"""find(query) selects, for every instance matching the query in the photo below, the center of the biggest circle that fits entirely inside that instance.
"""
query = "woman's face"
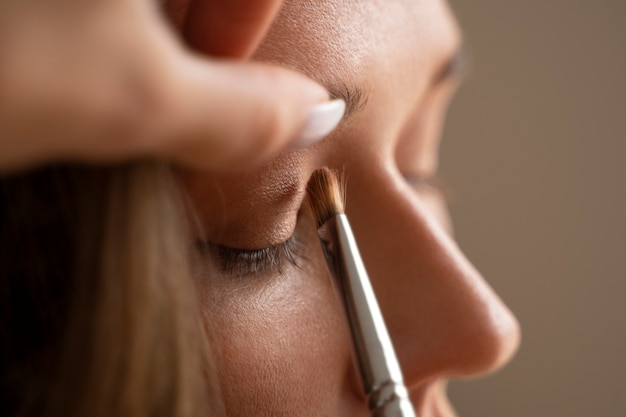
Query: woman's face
(281, 339)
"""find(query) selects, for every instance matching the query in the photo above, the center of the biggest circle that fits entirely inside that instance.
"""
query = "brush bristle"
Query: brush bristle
(325, 195)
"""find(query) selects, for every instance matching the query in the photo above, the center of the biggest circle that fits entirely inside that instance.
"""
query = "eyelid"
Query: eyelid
(429, 182)
(240, 263)
(456, 68)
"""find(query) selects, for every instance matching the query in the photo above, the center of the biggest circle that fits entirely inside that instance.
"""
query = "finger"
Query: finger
(232, 116)
(229, 28)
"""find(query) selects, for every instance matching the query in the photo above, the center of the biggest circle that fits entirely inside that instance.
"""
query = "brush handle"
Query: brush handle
(380, 371)
(390, 400)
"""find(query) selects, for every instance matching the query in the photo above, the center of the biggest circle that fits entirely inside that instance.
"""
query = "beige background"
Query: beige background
(536, 151)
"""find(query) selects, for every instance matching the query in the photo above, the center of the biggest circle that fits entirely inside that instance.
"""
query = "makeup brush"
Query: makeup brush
(378, 365)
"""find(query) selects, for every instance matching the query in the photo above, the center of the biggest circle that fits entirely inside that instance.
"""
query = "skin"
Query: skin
(282, 344)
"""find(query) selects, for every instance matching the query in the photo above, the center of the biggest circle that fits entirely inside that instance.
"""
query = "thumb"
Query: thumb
(230, 116)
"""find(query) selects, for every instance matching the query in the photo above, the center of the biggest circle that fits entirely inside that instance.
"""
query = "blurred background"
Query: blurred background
(535, 150)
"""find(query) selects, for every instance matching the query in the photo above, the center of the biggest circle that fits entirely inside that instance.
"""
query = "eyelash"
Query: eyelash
(240, 263)
(421, 182)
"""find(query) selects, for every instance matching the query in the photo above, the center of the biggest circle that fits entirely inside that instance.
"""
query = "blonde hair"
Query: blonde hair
(98, 311)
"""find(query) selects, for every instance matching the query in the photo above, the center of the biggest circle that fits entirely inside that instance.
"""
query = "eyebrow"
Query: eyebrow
(354, 96)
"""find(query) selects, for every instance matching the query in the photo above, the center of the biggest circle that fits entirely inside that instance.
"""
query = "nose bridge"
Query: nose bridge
(443, 318)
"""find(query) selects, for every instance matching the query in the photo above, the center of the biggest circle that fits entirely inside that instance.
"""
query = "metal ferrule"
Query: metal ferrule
(378, 365)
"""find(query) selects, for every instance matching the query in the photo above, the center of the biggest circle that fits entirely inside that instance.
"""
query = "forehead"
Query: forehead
(359, 41)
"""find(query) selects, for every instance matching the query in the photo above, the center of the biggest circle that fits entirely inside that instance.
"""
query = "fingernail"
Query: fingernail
(322, 119)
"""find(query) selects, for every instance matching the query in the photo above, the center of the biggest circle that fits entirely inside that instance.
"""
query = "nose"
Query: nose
(443, 318)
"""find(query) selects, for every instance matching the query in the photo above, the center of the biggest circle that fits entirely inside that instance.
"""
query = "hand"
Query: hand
(108, 80)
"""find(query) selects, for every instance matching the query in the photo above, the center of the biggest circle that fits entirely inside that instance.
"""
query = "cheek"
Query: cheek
(282, 348)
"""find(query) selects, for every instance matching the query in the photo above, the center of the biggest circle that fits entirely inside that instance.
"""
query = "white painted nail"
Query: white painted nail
(322, 119)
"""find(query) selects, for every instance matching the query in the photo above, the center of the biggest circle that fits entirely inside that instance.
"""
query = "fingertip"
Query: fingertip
(232, 115)
(322, 119)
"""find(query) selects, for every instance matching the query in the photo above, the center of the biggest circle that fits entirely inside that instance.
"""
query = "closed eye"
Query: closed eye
(239, 263)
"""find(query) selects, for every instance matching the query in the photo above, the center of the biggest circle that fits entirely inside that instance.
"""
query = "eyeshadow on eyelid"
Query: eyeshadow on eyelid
(260, 230)
(248, 211)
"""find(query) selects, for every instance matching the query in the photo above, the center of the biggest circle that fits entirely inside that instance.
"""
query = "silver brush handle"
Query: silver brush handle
(380, 371)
